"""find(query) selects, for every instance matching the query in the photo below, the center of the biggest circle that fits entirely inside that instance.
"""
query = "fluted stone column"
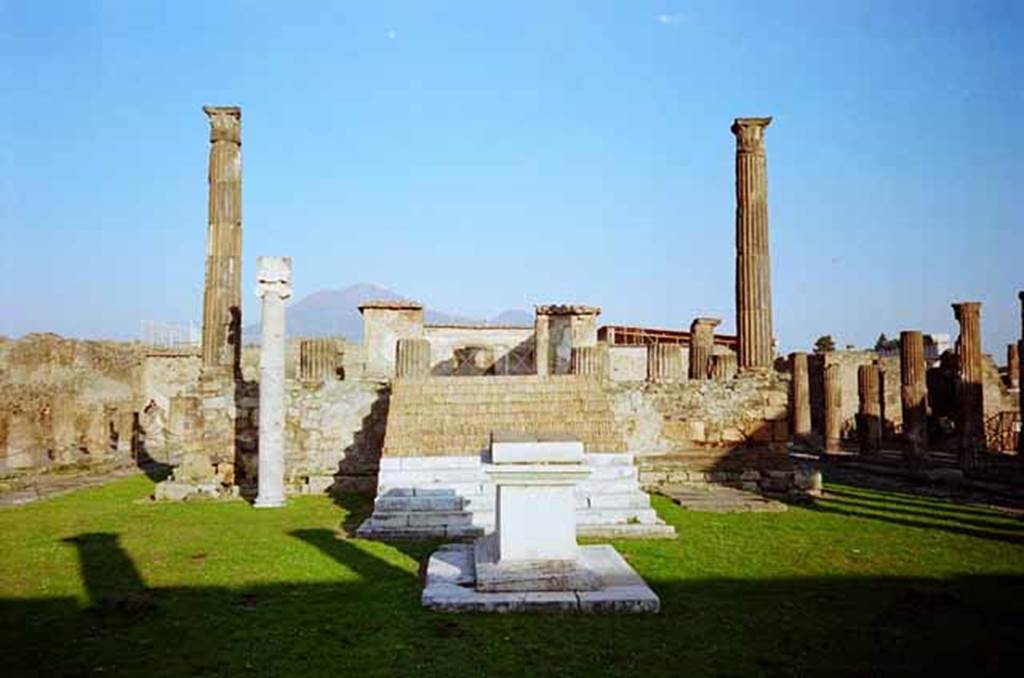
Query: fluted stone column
(753, 269)
(222, 294)
(833, 408)
(588, 361)
(702, 346)
(1013, 365)
(412, 358)
(800, 395)
(971, 417)
(274, 280)
(723, 366)
(318, 359)
(664, 362)
(869, 414)
(914, 397)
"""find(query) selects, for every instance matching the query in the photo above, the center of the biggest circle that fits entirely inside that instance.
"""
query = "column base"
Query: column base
(270, 502)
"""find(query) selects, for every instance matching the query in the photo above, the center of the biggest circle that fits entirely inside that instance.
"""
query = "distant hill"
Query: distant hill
(332, 313)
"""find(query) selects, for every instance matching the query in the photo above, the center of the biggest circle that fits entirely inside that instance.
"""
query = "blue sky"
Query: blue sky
(480, 157)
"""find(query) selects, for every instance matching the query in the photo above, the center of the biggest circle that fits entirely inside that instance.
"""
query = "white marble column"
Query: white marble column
(274, 285)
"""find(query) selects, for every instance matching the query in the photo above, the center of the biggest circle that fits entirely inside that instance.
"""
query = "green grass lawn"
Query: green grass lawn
(864, 582)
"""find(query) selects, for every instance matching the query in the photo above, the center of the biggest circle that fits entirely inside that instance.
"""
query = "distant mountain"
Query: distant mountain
(332, 313)
(513, 316)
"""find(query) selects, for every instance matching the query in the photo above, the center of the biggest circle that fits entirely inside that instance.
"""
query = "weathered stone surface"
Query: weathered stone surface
(559, 328)
(869, 418)
(222, 295)
(589, 361)
(914, 397)
(970, 394)
(318, 359)
(724, 366)
(384, 323)
(1013, 365)
(702, 345)
(412, 358)
(623, 591)
(664, 362)
(753, 270)
(833, 409)
(274, 285)
(800, 395)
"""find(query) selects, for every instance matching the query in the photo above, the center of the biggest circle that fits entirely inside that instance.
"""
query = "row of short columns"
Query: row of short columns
(913, 393)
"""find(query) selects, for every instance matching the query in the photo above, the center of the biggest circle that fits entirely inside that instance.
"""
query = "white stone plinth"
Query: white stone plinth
(535, 512)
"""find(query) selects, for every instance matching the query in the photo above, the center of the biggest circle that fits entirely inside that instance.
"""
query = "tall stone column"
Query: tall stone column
(971, 417)
(800, 396)
(702, 345)
(753, 269)
(222, 294)
(1013, 365)
(833, 408)
(914, 397)
(664, 362)
(274, 280)
(869, 414)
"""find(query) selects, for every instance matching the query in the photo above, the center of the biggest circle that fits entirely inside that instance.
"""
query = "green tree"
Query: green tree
(824, 344)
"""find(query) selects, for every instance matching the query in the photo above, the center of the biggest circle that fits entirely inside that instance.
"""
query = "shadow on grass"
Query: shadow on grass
(373, 624)
(931, 514)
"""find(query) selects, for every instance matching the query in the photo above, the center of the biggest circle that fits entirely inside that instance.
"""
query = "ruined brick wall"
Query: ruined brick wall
(66, 401)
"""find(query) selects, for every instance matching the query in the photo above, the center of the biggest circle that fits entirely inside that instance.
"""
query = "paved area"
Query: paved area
(711, 498)
(18, 491)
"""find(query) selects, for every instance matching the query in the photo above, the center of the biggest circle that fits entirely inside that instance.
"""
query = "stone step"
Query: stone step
(621, 500)
(611, 516)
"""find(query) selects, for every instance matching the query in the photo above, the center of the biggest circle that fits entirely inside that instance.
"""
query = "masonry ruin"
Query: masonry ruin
(409, 413)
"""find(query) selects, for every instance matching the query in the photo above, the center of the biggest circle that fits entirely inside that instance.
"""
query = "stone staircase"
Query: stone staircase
(432, 481)
(452, 416)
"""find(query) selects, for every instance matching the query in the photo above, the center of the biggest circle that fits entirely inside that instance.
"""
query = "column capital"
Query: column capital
(750, 134)
(964, 309)
(711, 323)
(274, 276)
(225, 123)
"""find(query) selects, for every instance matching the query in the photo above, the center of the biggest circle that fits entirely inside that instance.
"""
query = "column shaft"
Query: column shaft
(914, 397)
(222, 294)
(702, 346)
(800, 395)
(753, 268)
(274, 278)
(971, 419)
(869, 414)
(412, 358)
(833, 408)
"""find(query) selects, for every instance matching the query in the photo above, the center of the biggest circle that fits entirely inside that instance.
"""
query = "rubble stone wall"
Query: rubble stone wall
(66, 401)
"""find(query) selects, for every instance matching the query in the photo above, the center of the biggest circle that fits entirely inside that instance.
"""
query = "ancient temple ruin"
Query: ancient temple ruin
(410, 412)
